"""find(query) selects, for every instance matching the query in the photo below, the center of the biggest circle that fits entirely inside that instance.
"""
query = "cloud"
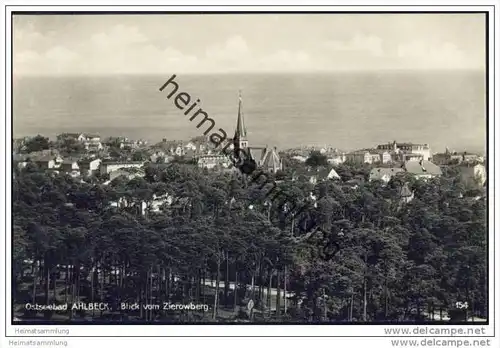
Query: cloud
(36, 52)
(60, 54)
(168, 60)
(423, 54)
(127, 49)
(285, 59)
(172, 55)
(358, 44)
(118, 35)
(27, 36)
(235, 54)
(58, 60)
(416, 54)
(121, 49)
(146, 59)
(234, 48)
(24, 39)
(27, 56)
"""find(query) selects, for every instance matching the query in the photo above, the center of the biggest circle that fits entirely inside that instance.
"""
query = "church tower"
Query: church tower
(246, 164)
(240, 135)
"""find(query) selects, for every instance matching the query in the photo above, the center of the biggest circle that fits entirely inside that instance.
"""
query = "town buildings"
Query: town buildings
(299, 158)
(453, 157)
(384, 174)
(128, 173)
(19, 145)
(70, 166)
(385, 157)
(125, 143)
(213, 161)
(155, 205)
(390, 153)
(268, 159)
(406, 194)
(44, 162)
(359, 157)
(399, 150)
(391, 159)
(109, 166)
(159, 156)
(473, 175)
(337, 159)
(411, 157)
(316, 175)
(20, 160)
(91, 142)
(422, 169)
(89, 166)
(367, 156)
(271, 161)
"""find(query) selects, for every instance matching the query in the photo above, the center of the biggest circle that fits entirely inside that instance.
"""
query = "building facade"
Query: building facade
(44, 162)
(361, 156)
(412, 157)
(384, 174)
(385, 157)
(89, 166)
(473, 175)
(213, 161)
(407, 148)
(71, 167)
(107, 167)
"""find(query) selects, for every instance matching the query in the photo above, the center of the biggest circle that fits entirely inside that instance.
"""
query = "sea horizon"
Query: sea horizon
(392, 104)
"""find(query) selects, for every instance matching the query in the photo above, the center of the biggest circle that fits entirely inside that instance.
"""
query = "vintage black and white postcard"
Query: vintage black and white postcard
(323, 168)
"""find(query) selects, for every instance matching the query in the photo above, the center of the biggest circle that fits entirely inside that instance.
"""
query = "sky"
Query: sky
(225, 43)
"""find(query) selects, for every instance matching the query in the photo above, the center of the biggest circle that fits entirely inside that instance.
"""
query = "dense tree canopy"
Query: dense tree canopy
(70, 146)
(397, 261)
(140, 155)
(36, 144)
(316, 159)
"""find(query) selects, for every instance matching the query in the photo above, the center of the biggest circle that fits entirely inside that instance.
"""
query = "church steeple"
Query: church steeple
(240, 134)
(246, 164)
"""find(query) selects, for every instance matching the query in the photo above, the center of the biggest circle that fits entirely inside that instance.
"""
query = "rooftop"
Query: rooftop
(405, 191)
(271, 159)
(422, 168)
(328, 173)
(379, 173)
(90, 135)
(121, 162)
